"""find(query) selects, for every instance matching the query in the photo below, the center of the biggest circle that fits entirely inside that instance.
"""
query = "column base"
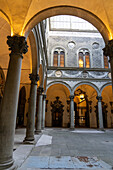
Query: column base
(101, 129)
(37, 131)
(72, 128)
(29, 141)
(8, 166)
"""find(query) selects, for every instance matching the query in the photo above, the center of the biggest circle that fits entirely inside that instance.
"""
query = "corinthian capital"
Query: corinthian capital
(40, 90)
(18, 45)
(34, 78)
(71, 97)
(108, 50)
(99, 98)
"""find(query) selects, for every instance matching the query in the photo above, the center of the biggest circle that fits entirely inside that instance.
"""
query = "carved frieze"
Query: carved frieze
(78, 74)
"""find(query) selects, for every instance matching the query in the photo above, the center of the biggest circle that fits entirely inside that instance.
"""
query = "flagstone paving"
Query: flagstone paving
(66, 149)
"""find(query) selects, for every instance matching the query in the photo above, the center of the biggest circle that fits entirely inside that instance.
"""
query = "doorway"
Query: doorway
(81, 108)
(57, 112)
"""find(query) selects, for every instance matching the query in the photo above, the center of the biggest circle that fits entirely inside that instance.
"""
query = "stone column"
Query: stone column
(39, 111)
(99, 98)
(108, 51)
(32, 109)
(71, 112)
(8, 113)
(43, 111)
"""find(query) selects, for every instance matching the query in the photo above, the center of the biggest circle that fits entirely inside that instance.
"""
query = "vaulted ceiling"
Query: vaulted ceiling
(20, 13)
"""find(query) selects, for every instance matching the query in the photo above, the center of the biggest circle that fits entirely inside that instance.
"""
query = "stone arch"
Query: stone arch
(57, 93)
(4, 16)
(87, 83)
(105, 85)
(107, 104)
(85, 100)
(58, 82)
(40, 76)
(58, 46)
(35, 61)
(67, 10)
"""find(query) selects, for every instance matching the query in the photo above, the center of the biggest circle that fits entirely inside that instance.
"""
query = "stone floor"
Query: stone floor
(58, 148)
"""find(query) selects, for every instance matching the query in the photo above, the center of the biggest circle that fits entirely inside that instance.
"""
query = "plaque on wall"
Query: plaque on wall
(58, 73)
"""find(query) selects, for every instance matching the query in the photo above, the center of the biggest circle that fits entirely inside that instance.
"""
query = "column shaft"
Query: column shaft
(43, 111)
(10, 101)
(32, 109)
(99, 98)
(39, 111)
(71, 112)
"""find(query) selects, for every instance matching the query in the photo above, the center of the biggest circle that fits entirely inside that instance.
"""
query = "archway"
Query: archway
(107, 106)
(57, 95)
(84, 102)
(21, 107)
(67, 10)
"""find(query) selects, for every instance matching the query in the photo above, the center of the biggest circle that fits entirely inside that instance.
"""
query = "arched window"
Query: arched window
(84, 58)
(59, 58)
(106, 63)
(55, 59)
(62, 55)
(81, 62)
(87, 60)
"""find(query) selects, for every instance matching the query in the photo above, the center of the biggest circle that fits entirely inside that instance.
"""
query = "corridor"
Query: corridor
(58, 148)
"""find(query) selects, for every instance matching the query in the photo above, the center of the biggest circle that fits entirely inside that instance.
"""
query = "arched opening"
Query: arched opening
(84, 102)
(21, 107)
(67, 10)
(107, 106)
(57, 112)
(59, 57)
(84, 58)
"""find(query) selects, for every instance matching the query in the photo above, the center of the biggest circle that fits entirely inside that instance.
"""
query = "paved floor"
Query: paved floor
(58, 148)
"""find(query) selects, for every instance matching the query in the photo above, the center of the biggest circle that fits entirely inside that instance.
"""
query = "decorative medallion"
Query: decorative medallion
(95, 45)
(71, 44)
(58, 73)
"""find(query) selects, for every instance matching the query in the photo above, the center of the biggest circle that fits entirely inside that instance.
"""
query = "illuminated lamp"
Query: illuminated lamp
(82, 96)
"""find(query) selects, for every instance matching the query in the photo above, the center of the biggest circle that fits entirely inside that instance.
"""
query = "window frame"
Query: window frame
(59, 50)
(84, 51)
(107, 57)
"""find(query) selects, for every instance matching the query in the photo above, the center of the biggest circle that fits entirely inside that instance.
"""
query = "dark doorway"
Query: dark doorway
(21, 107)
(57, 112)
